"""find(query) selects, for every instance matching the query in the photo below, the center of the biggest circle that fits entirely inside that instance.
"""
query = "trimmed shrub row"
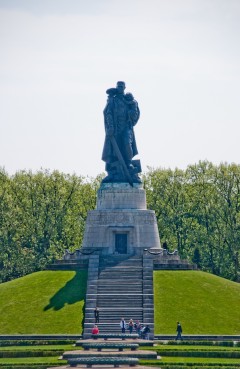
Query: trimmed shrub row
(34, 353)
(200, 366)
(216, 354)
(32, 366)
(189, 365)
(23, 366)
(203, 343)
(4, 343)
(28, 366)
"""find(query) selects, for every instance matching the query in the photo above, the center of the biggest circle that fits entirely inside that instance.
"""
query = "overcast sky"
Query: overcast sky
(179, 58)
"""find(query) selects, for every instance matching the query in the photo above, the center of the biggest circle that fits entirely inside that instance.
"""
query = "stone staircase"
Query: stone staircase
(116, 285)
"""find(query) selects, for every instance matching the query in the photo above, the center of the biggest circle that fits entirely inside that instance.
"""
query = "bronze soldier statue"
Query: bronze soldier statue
(120, 116)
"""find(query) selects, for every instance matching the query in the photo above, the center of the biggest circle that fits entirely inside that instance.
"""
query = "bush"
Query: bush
(203, 343)
(29, 353)
(5, 343)
(200, 353)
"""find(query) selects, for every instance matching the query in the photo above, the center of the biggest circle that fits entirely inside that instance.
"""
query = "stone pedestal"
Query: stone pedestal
(121, 224)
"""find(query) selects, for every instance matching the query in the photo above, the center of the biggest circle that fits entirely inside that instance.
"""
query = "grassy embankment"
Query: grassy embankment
(47, 302)
(52, 302)
(202, 302)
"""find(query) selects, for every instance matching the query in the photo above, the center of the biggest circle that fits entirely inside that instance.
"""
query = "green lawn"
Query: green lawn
(202, 302)
(192, 360)
(32, 360)
(52, 302)
(188, 348)
(42, 347)
(47, 302)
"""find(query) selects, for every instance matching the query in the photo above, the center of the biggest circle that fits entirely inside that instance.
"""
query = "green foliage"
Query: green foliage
(202, 302)
(47, 302)
(29, 343)
(32, 360)
(198, 213)
(197, 209)
(206, 353)
(204, 343)
(195, 362)
(41, 215)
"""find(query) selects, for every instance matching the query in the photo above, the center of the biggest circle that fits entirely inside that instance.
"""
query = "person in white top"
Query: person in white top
(123, 325)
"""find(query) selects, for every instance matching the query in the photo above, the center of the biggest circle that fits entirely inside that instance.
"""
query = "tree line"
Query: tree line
(41, 215)
(197, 209)
(198, 213)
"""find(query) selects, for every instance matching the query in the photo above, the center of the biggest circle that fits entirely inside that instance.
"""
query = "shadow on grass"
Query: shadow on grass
(73, 291)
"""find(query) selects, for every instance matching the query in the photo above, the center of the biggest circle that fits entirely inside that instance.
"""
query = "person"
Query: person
(95, 331)
(123, 325)
(96, 314)
(121, 114)
(179, 331)
(137, 327)
(130, 326)
(145, 332)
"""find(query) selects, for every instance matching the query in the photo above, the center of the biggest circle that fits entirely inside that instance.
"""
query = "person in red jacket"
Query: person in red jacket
(95, 331)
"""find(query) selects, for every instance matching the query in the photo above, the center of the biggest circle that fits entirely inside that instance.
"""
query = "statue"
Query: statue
(120, 116)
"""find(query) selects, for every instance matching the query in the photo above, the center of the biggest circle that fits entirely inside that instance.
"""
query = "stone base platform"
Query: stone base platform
(104, 367)
(139, 341)
(121, 224)
(141, 354)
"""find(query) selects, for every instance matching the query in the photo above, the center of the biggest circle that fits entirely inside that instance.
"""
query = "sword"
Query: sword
(121, 160)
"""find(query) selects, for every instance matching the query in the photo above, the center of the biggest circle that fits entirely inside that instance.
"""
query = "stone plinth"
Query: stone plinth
(121, 196)
(121, 224)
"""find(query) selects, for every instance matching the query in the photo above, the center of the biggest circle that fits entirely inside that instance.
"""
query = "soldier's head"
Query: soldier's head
(120, 87)
(129, 97)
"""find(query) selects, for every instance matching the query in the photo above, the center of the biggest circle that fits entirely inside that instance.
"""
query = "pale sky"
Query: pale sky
(179, 58)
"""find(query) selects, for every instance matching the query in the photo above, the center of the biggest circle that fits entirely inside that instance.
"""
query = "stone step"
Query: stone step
(117, 310)
(116, 317)
(118, 285)
(112, 325)
(120, 282)
(114, 305)
(120, 270)
(117, 277)
(114, 320)
(118, 297)
(115, 292)
(113, 261)
(101, 302)
(127, 291)
(117, 259)
(122, 267)
(105, 303)
(121, 301)
(126, 353)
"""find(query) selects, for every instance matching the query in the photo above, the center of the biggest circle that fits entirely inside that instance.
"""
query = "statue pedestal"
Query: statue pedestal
(121, 224)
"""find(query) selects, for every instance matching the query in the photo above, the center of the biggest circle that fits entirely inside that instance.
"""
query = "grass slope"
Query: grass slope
(202, 302)
(52, 302)
(47, 302)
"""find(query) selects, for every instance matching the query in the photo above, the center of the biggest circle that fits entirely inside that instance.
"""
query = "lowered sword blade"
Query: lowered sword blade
(121, 160)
